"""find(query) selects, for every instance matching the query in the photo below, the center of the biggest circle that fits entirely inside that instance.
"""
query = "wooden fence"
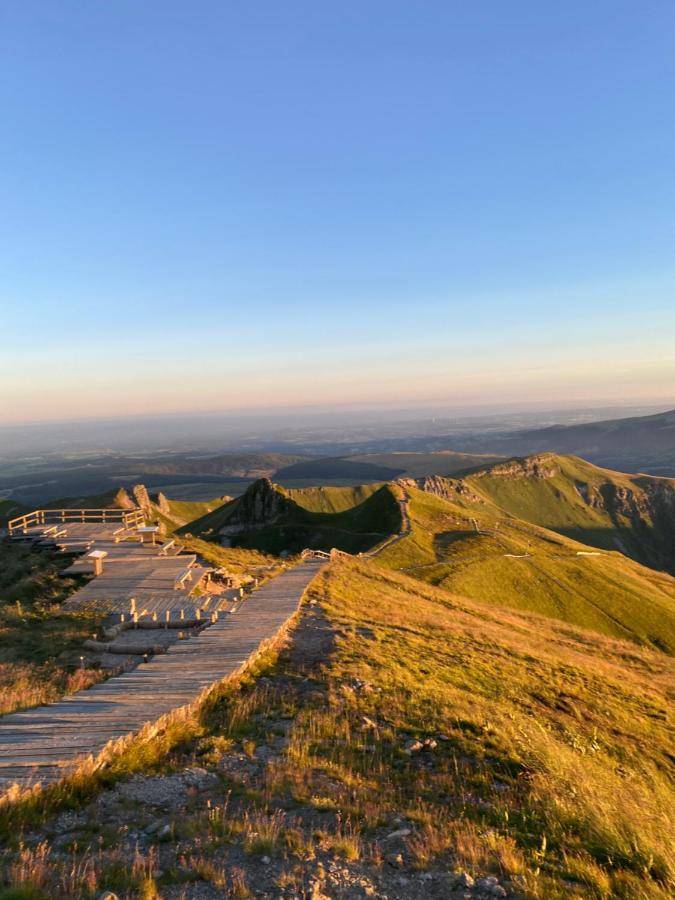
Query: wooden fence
(127, 518)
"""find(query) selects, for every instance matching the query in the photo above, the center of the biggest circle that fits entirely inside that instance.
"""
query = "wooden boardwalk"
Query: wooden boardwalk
(160, 578)
(45, 743)
(131, 569)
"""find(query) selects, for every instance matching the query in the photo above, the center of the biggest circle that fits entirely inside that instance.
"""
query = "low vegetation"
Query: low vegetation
(403, 732)
(634, 514)
(477, 551)
(40, 644)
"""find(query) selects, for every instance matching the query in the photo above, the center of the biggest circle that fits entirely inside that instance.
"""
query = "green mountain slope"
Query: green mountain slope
(631, 513)
(521, 533)
(556, 751)
(333, 499)
(269, 518)
(471, 548)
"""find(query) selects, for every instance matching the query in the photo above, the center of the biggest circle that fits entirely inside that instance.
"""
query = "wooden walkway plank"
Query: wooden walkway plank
(44, 743)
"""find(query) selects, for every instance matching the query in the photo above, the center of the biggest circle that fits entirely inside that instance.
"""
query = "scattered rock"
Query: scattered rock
(490, 886)
(360, 686)
(399, 833)
(154, 826)
(413, 746)
(464, 880)
(395, 860)
(65, 839)
(167, 790)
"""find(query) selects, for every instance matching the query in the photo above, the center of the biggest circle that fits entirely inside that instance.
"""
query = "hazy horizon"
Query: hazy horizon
(261, 431)
(375, 205)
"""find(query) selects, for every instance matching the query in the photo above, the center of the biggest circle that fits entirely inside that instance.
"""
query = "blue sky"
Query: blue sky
(219, 205)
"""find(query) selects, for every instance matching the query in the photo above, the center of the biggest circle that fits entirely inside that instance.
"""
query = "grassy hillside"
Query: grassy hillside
(115, 498)
(513, 563)
(273, 520)
(332, 499)
(182, 512)
(631, 513)
(353, 530)
(562, 735)
(40, 644)
(403, 736)
(209, 524)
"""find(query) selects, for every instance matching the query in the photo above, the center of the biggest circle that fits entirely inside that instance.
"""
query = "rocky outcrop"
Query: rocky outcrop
(141, 496)
(163, 504)
(262, 504)
(122, 500)
(643, 514)
(543, 465)
(445, 488)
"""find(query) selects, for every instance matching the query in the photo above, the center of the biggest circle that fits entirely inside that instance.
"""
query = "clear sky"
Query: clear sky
(212, 205)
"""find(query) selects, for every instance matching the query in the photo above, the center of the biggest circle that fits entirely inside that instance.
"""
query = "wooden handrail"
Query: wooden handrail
(127, 517)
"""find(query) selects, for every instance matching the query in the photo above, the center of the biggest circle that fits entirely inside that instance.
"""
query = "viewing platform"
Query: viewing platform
(132, 568)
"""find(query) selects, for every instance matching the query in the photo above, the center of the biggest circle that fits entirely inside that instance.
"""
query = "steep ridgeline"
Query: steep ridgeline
(268, 517)
(464, 543)
(631, 513)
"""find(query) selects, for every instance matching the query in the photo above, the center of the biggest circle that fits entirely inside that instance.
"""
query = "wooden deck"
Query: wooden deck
(131, 569)
(45, 743)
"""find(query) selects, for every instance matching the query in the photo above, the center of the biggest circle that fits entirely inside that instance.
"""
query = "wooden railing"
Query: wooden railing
(322, 554)
(128, 518)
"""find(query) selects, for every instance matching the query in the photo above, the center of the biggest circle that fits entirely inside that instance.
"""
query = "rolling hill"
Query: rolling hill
(605, 509)
(521, 533)
(473, 549)
(269, 518)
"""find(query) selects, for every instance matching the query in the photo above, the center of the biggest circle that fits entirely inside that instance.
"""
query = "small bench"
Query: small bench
(166, 546)
(74, 546)
(185, 575)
